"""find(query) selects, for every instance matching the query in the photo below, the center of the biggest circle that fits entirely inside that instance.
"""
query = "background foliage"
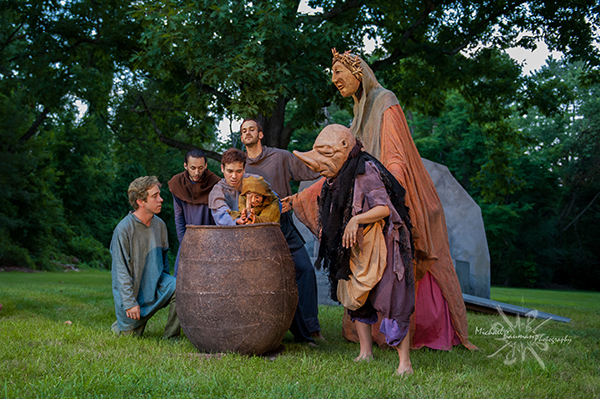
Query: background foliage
(539, 211)
(157, 77)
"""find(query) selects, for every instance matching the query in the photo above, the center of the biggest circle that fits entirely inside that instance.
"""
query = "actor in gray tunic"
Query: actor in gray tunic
(279, 167)
(141, 281)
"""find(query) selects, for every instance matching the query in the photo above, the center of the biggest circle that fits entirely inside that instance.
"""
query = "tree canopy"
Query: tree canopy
(251, 59)
(157, 77)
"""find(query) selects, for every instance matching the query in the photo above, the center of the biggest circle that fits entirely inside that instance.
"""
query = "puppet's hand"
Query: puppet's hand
(286, 204)
(246, 214)
(350, 233)
(251, 217)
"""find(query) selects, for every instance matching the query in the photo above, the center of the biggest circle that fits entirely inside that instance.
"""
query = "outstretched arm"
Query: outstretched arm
(221, 217)
(305, 206)
(299, 171)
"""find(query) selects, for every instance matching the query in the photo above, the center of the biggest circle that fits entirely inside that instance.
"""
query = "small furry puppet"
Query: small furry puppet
(257, 202)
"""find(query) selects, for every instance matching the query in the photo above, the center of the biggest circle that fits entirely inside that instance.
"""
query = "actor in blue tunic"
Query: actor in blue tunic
(141, 281)
(190, 190)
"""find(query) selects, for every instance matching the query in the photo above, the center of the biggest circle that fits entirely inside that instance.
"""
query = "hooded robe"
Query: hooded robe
(279, 167)
(224, 198)
(381, 265)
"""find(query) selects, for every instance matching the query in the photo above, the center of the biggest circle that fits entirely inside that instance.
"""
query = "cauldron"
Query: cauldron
(236, 288)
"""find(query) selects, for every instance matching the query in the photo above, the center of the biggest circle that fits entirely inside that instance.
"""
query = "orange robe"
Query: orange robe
(432, 251)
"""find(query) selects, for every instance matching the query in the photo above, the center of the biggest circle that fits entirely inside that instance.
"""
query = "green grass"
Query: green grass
(41, 356)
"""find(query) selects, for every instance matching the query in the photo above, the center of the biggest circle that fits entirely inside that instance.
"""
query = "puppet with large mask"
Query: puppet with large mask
(364, 232)
(440, 318)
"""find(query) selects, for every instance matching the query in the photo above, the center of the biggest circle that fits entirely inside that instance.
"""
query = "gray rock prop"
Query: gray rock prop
(466, 233)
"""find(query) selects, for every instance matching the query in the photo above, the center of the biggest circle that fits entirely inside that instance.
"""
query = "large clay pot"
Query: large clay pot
(236, 288)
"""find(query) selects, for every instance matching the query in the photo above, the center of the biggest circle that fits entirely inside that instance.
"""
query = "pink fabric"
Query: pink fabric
(433, 325)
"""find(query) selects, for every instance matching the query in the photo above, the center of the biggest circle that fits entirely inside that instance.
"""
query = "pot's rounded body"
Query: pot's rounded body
(236, 288)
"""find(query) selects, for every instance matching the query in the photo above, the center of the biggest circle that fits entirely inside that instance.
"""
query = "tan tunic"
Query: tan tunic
(367, 264)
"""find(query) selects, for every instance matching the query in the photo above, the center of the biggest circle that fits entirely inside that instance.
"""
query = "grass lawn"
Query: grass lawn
(42, 356)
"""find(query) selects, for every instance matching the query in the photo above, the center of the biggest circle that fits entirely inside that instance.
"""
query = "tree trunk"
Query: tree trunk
(276, 132)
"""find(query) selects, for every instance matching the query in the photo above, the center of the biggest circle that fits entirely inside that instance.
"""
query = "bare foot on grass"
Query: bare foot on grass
(404, 370)
(364, 357)
(317, 334)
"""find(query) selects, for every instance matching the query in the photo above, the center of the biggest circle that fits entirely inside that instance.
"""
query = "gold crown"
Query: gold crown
(352, 62)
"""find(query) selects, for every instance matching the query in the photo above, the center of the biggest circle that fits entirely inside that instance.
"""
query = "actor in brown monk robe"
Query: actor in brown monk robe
(190, 190)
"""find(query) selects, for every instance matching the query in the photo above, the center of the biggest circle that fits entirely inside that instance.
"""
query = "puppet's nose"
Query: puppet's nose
(310, 158)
